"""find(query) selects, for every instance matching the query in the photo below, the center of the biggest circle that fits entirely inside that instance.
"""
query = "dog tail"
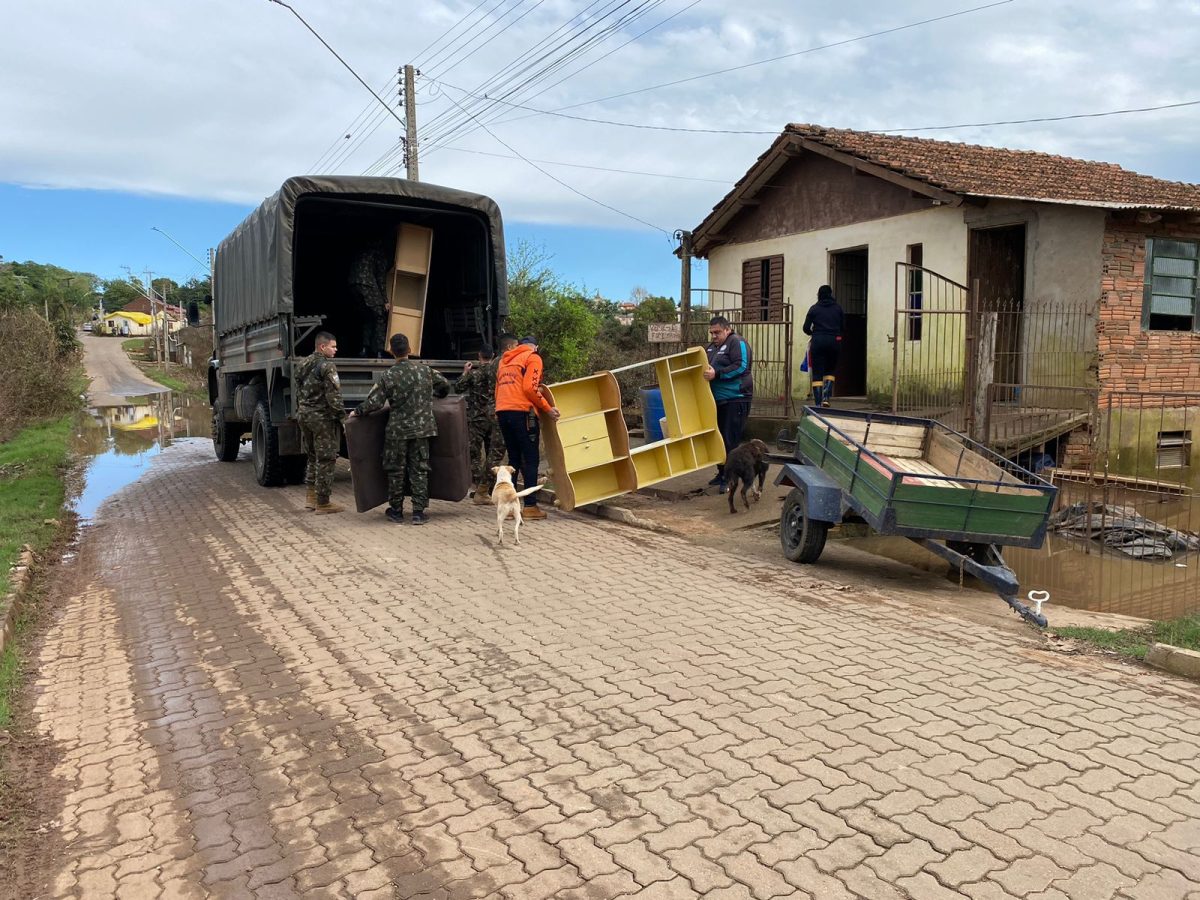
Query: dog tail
(528, 491)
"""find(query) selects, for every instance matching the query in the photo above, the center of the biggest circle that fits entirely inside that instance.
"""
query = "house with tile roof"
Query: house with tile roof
(966, 272)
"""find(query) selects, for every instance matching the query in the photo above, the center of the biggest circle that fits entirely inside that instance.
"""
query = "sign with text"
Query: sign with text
(663, 332)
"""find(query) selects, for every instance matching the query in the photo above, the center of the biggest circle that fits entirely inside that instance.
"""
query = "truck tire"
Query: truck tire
(802, 538)
(264, 440)
(227, 436)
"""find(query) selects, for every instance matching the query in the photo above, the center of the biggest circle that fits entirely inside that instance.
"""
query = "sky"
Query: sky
(181, 116)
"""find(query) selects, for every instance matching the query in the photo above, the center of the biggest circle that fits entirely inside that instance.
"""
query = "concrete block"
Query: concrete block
(1175, 660)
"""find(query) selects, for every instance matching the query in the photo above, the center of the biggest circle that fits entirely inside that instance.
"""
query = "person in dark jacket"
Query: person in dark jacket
(824, 325)
(730, 377)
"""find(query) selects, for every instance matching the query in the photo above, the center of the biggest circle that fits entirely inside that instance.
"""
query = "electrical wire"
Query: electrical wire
(420, 53)
(558, 62)
(551, 162)
(566, 59)
(763, 62)
(556, 179)
(680, 128)
(349, 130)
(507, 72)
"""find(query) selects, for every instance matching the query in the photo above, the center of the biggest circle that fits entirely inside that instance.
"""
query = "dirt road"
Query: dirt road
(249, 700)
(112, 375)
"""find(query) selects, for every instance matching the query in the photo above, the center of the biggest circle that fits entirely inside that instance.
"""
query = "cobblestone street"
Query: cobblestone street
(254, 701)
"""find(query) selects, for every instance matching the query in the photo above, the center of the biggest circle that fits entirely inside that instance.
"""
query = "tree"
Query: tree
(117, 292)
(655, 309)
(559, 314)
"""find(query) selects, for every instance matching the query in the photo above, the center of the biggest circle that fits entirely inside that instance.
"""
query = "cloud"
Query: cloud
(223, 100)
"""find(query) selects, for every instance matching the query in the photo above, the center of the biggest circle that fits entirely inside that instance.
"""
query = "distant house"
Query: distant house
(134, 324)
(625, 312)
(174, 316)
(968, 272)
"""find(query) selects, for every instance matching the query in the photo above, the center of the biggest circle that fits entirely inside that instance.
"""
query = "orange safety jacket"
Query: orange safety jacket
(518, 379)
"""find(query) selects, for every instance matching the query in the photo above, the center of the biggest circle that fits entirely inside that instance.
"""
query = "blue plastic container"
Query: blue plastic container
(652, 413)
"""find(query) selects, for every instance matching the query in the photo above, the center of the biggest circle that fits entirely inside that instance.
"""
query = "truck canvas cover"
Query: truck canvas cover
(255, 267)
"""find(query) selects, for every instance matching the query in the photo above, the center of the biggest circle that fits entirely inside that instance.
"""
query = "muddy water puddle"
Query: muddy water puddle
(1084, 574)
(120, 441)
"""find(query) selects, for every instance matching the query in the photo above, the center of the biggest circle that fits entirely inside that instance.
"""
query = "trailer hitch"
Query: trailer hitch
(984, 562)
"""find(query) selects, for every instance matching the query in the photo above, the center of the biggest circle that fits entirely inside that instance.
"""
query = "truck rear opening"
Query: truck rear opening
(330, 232)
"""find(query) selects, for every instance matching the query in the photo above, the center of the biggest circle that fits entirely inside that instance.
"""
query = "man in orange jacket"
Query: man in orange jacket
(518, 398)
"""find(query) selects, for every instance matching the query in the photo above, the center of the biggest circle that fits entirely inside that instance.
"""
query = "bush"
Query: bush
(40, 371)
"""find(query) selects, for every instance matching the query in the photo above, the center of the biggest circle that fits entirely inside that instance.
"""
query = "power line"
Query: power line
(436, 145)
(511, 71)
(558, 180)
(565, 59)
(763, 62)
(346, 133)
(1097, 115)
(349, 68)
(680, 128)
(551, 162)
(437, 40)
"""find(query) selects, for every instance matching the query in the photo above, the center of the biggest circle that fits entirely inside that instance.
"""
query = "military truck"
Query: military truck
(284, 274)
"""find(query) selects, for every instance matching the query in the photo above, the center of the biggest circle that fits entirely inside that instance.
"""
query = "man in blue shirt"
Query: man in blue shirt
(729, 376)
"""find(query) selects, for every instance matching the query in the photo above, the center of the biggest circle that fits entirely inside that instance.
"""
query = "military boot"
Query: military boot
(482, 496)
(325, 506)
(310, 499)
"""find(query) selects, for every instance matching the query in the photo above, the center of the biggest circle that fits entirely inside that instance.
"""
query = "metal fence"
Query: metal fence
(769, 335)
(1130, 541)
(955, 357)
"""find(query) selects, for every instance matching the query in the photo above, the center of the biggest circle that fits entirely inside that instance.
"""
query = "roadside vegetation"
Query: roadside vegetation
(183, 379)
(1133, 643)
(579, 334)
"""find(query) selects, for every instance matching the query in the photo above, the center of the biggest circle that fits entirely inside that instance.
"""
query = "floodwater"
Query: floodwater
(1084, 574)
(122, 441)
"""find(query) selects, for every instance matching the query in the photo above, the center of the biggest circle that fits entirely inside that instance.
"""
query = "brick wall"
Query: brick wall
(1132, 359)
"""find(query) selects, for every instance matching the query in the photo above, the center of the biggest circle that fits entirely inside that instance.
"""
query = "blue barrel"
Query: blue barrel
(652, 412)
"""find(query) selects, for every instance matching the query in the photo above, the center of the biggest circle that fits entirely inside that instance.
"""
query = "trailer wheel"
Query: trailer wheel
(802, 538)
(264, 440)
(227, 436)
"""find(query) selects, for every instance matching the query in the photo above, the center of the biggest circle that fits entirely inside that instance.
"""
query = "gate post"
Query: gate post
(972, 369)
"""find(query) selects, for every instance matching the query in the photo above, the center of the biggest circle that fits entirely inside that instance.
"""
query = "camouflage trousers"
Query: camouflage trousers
(407, 466)
(321, 441)
(487, 449)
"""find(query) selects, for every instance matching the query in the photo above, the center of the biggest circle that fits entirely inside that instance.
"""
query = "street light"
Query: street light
(179, 245)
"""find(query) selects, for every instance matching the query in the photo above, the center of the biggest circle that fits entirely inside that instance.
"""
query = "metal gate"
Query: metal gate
(768, 330)
(930, 357)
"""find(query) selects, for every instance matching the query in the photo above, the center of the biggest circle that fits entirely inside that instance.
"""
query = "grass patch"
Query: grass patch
(135, 345)
(167, 380)
(1133, 643)
(32, 491)
(31, 487)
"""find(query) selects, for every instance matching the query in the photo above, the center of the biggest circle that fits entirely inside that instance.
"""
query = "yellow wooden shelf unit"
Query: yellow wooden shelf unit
(690, 439)
(588, 447)
(409, 282)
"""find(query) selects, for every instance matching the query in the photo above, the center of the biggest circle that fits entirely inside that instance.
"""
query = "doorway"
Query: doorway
(848, 278)
(997, 258)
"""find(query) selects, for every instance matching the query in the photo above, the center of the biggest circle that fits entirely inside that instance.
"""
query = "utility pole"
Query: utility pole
(410, 123)
(685, 281)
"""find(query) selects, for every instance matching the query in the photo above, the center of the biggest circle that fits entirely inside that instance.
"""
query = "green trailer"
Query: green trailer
(918, 479)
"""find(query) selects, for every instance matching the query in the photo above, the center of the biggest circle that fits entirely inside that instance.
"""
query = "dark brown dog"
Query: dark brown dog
(744, 463)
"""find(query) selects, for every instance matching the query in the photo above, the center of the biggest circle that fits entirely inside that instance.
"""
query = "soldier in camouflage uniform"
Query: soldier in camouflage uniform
(368, 282)
(478, 382)
(408, 387)
(321, 411)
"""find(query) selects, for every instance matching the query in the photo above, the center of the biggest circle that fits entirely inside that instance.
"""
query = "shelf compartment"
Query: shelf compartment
(651, 464)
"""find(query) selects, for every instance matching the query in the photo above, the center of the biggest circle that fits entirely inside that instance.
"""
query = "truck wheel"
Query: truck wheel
(227, 436)
(264, 440)
(802, 538)
(294, 469)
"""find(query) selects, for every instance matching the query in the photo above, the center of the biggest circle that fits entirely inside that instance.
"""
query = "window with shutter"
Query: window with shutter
(762, 289)
(1172, 276)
